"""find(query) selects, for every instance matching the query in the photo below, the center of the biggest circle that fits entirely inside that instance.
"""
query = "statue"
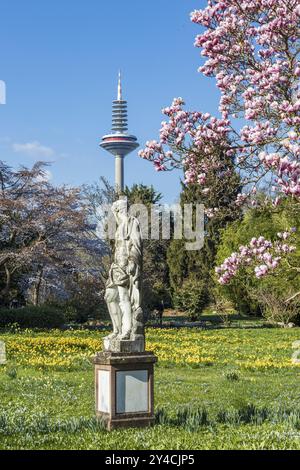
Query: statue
(123, 288)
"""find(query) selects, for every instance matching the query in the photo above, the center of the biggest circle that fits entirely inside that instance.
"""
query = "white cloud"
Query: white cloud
(33, 149)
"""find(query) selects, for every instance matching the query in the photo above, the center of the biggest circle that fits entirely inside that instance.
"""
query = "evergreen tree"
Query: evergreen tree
(224, 186)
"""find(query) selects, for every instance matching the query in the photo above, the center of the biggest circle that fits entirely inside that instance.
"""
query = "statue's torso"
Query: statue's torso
(121, 246)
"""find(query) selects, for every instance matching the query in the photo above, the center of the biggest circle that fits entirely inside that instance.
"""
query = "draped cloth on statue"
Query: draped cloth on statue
(125, 271)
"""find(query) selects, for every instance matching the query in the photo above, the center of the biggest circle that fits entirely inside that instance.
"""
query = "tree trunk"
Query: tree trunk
(5, 291)
(37, 289)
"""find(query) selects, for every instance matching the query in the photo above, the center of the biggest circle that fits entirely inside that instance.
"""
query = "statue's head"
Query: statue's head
(119, 208)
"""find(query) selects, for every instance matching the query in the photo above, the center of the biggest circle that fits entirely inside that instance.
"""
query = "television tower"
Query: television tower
(119, 143)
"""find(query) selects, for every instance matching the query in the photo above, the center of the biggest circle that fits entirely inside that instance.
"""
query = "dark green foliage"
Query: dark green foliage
(32, 317)
(142, 194)
(232, 376)
(43, 424)
(198, 264)
(83, 311)
(247, 414)
(178, 263)
(188, 416)
(192, 417)
(12, 373)
(86, 302)
(192, 297)
(156, 297)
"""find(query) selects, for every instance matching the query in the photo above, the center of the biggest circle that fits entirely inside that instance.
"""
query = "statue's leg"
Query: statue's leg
(112, 300)
(125, 306)
(138, 330)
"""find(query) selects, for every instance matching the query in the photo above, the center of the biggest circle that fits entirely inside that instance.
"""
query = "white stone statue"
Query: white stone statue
(123, 288)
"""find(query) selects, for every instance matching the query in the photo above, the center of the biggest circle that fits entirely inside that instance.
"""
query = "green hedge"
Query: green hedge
(32, 317)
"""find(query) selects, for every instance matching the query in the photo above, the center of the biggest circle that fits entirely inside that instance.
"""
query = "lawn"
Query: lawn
(220, 388)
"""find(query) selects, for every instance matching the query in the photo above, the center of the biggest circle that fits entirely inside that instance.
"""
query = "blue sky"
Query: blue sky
(60, 59)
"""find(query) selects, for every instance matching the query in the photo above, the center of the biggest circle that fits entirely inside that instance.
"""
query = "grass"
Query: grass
(214, 389)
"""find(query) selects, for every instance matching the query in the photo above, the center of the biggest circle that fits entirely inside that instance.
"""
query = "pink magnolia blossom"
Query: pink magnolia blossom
(251, 48)
(261, 254)
(187, 131)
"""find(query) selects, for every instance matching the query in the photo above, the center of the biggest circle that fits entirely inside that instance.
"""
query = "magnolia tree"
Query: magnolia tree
(252, 50)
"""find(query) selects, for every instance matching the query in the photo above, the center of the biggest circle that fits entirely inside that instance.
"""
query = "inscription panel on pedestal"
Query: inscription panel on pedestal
(132, 391)
(104, 391)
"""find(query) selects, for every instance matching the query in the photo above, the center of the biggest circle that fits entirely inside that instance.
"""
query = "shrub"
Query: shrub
(156, 298)
(32, 317)
(192, 297)
(223, 308)
(278, 309)
(78, 311)
(232, 375)
(12, 373)
(192, 417)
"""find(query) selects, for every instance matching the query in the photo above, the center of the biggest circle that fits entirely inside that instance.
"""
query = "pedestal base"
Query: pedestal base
(125, 388)
(124, 345)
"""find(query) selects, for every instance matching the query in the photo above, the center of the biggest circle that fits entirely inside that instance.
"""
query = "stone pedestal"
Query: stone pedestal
(124, 345)
(125, 388)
